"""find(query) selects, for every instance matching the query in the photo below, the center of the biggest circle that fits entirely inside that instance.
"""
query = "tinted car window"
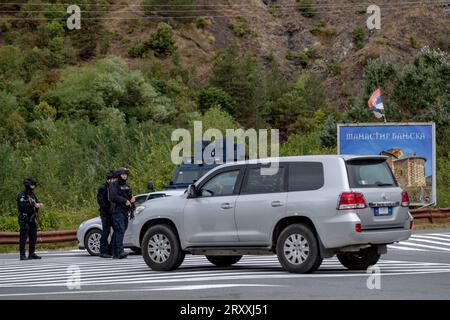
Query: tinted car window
(305, 176)
(220, 185)
(369, 173)
(258, 183)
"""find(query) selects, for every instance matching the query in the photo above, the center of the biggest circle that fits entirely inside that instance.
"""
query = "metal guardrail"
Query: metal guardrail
(71, 235)
(43, 237)
(431, 214)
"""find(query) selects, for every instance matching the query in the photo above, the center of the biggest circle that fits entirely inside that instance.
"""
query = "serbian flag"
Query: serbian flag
(376, 104)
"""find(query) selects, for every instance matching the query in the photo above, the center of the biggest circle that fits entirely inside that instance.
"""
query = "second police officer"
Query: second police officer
(103, 200)
(122, 202)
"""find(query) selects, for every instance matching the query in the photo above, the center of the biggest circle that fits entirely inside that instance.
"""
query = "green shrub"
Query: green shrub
(212, 96)
(306, 7)
(298, 57)
(137, 51)
(105, 43)
(413, 42)
(272, 8)
(382, 41)
(10, 61)
(5, 26)
(202, 22)
(312, 53)
(239, 27)
(107, 84)
(319, 30)
(359, 35)
(335, 68)
(181, 10)
(162, 41)
(43, 111)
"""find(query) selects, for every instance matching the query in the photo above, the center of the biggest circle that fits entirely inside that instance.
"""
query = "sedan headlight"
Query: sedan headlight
(138, 210)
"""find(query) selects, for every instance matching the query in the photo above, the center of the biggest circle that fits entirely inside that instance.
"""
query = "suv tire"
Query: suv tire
(298, 250)
(92, 242)
(161, 248)
(223, 261)
(360, 260)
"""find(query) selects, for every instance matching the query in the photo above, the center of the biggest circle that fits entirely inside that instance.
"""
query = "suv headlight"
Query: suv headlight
(138, 210)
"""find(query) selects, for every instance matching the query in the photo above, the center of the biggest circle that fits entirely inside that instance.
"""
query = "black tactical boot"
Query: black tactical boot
(105, 255)
(23, 257)
(123, 255)
(34, 256)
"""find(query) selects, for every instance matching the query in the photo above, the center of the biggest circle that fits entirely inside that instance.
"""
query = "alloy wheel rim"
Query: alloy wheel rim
(159, 248)
(296, 249)
(94, 242)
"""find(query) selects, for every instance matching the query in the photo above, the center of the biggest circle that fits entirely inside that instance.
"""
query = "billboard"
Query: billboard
(410, 148)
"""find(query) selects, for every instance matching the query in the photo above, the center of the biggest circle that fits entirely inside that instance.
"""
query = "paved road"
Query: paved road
(415, 269)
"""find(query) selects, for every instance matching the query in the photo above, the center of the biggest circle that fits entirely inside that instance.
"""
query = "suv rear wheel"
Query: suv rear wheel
(360, 260)
(161, 248)
(298, 250)
(223, 261)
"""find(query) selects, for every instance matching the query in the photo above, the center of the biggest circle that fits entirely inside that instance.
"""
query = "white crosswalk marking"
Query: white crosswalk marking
(439, 242)
(196, 273)
(52, 271)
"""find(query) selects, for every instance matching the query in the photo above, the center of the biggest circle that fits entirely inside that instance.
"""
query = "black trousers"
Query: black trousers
(107, 224)
(28, 230)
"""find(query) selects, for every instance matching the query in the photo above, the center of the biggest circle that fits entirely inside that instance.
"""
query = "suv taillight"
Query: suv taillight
(405, 199)
(351, 200)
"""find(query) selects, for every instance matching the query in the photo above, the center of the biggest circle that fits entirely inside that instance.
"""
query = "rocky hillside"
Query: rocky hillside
(332, 40)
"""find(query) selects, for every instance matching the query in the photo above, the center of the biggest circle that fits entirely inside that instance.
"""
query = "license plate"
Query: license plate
(382, 211)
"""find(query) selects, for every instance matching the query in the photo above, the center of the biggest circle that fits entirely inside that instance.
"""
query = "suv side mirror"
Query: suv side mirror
(150, 186)
(192, 191)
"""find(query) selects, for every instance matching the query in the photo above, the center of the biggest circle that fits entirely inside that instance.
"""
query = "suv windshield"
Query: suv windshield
(188, 176)
(369, 173)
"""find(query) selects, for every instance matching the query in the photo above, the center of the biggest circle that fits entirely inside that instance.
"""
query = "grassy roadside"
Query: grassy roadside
(424, 224)
(51, 219)
(14, 248)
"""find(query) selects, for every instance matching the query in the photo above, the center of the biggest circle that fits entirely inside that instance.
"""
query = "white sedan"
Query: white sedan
(89, 232)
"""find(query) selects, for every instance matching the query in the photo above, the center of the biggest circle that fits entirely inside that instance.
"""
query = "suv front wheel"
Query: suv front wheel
(161, 248)
(298, 250)
(360, 260)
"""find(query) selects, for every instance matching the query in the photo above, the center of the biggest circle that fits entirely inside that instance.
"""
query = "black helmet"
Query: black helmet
(28, 182)
(110, 175)
(122, 170)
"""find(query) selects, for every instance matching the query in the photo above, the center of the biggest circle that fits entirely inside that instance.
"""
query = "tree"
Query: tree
(424, 84)
(379, 73)
(161, 41)
(242, 77)
(82, 92)
(215, 97)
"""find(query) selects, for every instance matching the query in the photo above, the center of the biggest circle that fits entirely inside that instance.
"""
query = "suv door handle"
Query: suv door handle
(276, 203)
(226, 205)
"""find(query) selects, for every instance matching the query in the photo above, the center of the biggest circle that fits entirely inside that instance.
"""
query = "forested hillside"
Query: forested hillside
(75, 103)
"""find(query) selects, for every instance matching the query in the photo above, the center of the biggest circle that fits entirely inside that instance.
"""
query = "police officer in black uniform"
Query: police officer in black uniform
(103, 200)
(28, 205)
(122, 203)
